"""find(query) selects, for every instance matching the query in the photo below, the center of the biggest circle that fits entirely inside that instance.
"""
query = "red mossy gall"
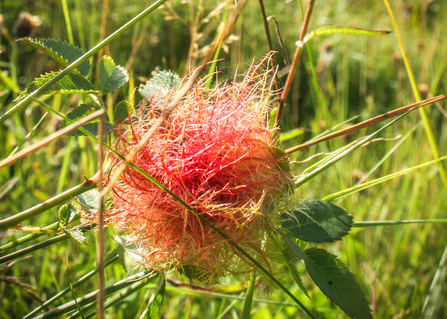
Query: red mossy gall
(217, 153)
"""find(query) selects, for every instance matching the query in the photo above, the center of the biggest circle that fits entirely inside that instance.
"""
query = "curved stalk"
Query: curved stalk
(376, 223)
(377, 181)
(52, 202)
(417, 96)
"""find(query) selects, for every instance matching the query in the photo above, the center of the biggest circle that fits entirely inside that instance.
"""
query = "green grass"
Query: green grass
(362, 76)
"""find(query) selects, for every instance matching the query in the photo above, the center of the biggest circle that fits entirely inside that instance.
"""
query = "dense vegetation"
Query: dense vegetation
(357, 76)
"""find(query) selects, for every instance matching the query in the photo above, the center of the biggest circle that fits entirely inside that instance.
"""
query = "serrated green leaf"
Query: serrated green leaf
(160, 85)
(121, 112)
(317, 222)
(82, 111)
(89, 200)
(61, 51)
(156, 300)
(66, 214)
(72, 83)
(77, 235)
(129, 259)
(111, 76)
(343, 30)
(337, 283)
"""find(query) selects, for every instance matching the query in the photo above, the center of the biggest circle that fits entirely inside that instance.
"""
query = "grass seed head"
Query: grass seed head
(217, 153)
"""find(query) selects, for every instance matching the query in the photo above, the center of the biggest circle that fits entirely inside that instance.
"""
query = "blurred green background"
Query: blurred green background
(357, 76)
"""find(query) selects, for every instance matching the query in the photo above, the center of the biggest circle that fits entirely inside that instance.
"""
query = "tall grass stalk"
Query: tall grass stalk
(417, 95)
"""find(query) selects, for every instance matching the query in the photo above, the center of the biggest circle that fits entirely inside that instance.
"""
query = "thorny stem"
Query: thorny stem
(294, 65)
(49, 139)
(29, 237)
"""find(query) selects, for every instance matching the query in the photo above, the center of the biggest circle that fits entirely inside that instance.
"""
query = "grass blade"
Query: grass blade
(358, 188)
(417, 96)
(81, 60)
(111, 258)
(308, 176)
(378, 223)
(249, 297)
(343, 30)
(132, 281)
(435, 298)
(156, 300)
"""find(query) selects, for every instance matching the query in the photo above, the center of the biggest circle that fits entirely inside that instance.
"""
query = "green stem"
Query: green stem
(34, 235)
(434, 302)
(79, 23)
(240, 297)
(145, 276)
(377, 181)
(112, 257)
(52, 202)
(388, 154)
(27, 238)
(417, 96)
(33, 248)
(67, 22)
(314, 75)
(79, 61)
(65, 164)
(41, 245)
(212, 68)
(334, 159)
(375, 223)
(122, 295)
(249, 297)
(28, 135)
